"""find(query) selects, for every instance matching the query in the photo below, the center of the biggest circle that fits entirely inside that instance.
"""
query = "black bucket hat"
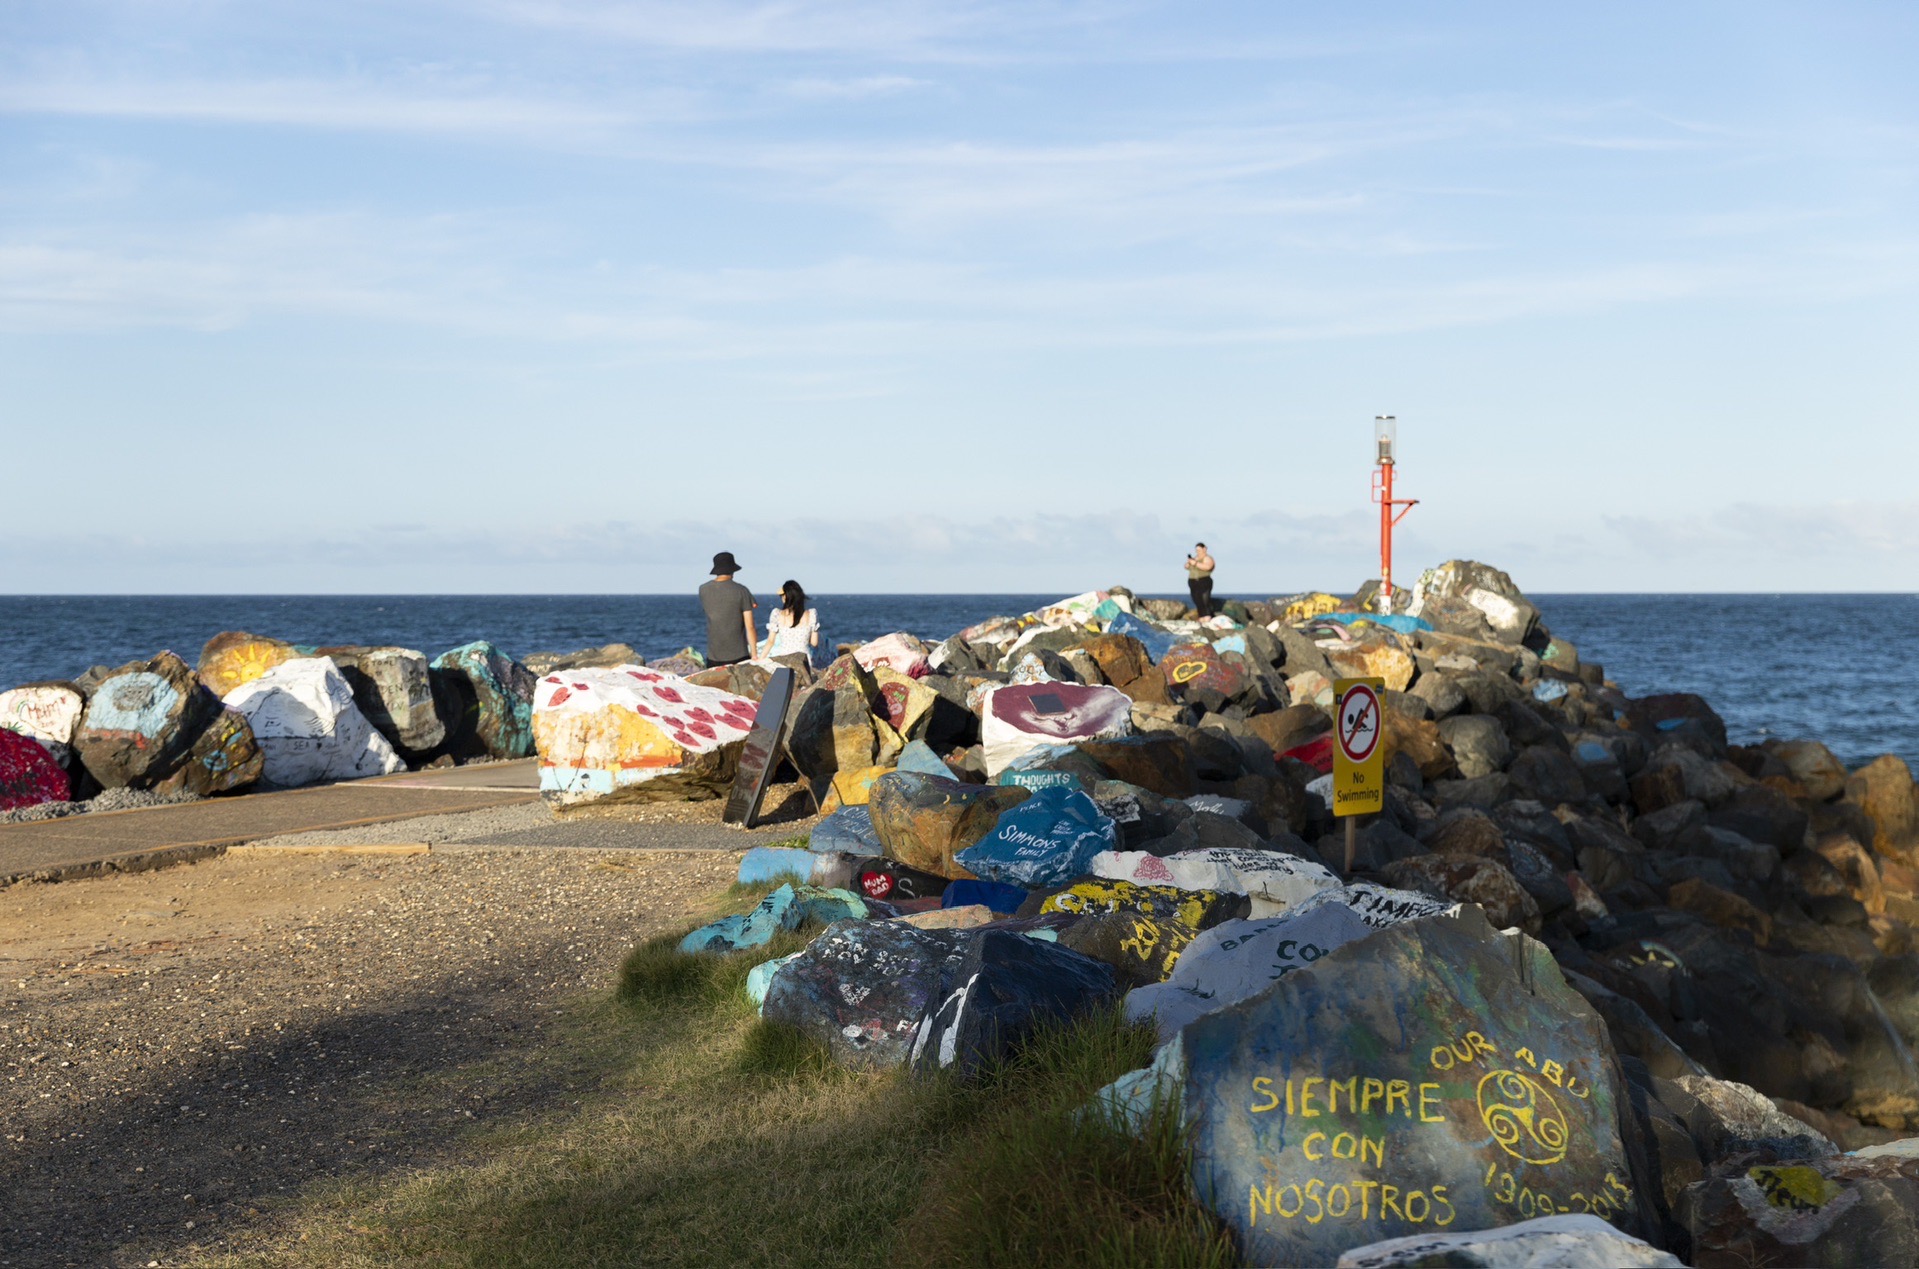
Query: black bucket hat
(725, 563)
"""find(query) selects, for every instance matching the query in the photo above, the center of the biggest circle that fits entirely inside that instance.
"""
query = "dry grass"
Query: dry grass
(715, 1138)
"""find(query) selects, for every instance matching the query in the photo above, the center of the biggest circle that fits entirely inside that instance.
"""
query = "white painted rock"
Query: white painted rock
(602, 731)
(898, 651)
(1237, 959)
(48, 712)
(1380, 906)
(1280, 879)
(304, 719)
(1576, 1241)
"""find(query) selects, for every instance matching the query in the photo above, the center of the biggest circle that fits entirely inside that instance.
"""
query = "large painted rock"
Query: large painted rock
(833, 726)
(907, 701)
(28, 773)
(1019, 717)
(141, 721)
(224, 757)
(1433, 1076)
(1047, 840)
(48, 712)
(637, 735)
(394, 689)
(305, 722)
(1577, 1241)
(495, 699)
(1142, 949)
(234, 658)
(1197, 908)
(1839, 1212)
(1237, 959)
(1005, 987)
(1196, 672)
(924, 821)
(863, 987)
(1158, 761)
(1490, 591)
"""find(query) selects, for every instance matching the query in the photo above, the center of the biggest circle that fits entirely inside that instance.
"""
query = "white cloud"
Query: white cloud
(855, 89)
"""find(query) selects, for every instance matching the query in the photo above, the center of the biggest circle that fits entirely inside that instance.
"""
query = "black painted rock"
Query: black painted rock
(1140, 948)
(863, 987)
(1006, 985)
(1433, 1076)
(224, 757)
(142, 721)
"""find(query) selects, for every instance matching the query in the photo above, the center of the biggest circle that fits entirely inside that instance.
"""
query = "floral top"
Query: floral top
(788, 637)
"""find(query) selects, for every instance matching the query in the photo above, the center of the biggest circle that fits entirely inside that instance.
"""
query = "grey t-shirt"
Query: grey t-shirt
(725, 632)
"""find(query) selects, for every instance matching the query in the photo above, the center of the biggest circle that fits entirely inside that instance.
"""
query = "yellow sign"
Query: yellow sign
(1359, 757)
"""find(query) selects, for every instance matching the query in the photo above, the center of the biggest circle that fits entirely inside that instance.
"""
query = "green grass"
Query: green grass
(707, 1136)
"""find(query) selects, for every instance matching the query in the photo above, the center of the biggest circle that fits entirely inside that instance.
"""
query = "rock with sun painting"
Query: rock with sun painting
(1436, 1076)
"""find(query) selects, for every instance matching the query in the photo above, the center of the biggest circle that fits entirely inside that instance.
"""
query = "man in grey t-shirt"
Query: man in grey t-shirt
(729, 614)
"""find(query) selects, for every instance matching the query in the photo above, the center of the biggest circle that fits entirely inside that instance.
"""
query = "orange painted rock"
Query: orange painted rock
(235, 658)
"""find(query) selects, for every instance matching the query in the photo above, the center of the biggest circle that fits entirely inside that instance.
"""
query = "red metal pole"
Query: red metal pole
(1385, 535)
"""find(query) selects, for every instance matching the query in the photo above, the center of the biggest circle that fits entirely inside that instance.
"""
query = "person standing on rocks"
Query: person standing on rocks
(729, 607)
(793, 627)
(1199, 580)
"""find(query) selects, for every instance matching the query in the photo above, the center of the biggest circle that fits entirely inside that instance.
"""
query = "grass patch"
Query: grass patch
(704, 1135)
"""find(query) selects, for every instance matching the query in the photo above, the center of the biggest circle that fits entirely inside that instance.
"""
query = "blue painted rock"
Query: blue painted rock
(1047, 840)
(924, 821)
(494, 695)
(305, 722)
(394, 689)
(862, 988)
(1006, 986)
(141, 722)
(28, 773)
(788, 908)
(1434, 1076)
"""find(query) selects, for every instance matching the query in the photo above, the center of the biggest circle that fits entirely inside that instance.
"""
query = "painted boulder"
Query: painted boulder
(834, 727)
(1434, 1076)
(488, 699)
(900, 652)
(1845, 1210)
(1277, 879)
(863, 987)
(141, 721)
(924, 821)
(394, 689)
(233, 658)
(306, 724)
(1561, 1242)
(1019, 717)
(28, 773)
(637, 735)
(224, 757)
(1005, 987)
(1196, 672)
(48, 712)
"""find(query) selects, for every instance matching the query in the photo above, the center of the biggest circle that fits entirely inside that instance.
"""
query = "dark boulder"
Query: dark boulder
(924, 820)
(863, 987)
(141, 722)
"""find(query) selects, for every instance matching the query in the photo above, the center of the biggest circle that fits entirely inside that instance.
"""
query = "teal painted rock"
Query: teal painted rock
(486, 701)
(1433, 1077)
(788, 908)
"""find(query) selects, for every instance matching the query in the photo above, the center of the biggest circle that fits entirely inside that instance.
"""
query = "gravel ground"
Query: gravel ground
(105, 800)
(183, 1047)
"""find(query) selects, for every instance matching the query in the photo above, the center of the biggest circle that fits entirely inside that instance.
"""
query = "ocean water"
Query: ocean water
(1838, 668)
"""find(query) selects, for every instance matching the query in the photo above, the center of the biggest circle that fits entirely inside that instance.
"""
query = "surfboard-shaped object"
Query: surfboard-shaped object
(762, 751)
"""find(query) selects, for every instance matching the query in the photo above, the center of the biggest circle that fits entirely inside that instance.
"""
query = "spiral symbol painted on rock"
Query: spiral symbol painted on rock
(1522, 1117)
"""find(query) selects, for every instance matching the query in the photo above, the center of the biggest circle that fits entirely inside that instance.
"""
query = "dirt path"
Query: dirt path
(182, 1048)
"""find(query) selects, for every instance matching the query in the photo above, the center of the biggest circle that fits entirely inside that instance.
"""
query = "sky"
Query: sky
(558, 296)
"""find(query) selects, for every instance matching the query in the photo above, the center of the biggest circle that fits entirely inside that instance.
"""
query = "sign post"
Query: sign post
(1359, 761)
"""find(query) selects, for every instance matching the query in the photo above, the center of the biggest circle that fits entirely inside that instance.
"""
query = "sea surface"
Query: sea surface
(1839, 668)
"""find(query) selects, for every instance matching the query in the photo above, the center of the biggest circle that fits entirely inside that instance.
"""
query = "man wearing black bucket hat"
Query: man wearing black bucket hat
(729, 614)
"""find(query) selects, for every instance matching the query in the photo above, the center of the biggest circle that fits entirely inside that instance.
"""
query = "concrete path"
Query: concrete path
(150, 836)
(491, 806)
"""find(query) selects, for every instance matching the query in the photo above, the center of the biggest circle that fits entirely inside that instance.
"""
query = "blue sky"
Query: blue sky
(564, 295)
